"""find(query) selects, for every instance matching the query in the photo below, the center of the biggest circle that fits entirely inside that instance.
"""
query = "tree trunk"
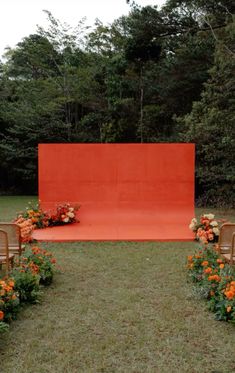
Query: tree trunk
(141, 104)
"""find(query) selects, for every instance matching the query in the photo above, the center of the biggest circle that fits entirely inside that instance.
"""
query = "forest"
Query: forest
(155, 75)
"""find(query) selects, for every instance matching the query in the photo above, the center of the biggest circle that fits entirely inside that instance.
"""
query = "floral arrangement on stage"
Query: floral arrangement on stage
(35, 217)
(207, 228)
(38, 217)
(65, 214)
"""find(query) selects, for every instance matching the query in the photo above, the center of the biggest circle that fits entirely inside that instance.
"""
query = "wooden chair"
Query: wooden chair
(227, 242)
(5, 256)
(14, 240)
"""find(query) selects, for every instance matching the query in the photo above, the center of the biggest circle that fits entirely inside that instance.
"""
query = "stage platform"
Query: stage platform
(122, 226)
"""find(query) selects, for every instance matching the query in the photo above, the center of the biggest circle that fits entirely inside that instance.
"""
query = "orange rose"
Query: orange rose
(1, 315)
(210, 237)
(214, 278)
(229, 294)
(11, 283)
(229, 309)
(207, 270)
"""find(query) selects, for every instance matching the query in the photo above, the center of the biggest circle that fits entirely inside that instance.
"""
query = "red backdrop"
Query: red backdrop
(122, 186)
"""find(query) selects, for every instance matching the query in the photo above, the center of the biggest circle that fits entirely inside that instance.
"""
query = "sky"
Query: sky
(19, 18)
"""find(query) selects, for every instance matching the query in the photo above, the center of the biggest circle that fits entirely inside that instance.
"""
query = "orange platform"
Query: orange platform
(126, 191)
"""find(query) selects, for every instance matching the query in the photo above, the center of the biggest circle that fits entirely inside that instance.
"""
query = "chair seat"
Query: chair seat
(228, 258)
(225, 249)
(15, 249)
(226, 243)
(3, 257)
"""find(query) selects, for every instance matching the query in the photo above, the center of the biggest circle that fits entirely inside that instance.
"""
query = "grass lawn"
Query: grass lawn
(117, 307)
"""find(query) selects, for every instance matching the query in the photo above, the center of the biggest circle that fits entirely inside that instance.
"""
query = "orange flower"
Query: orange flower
(11, 283)
(207, 270)
(212, 293)
(8, 288)
(210, 237)
(229, 309)
(1, 315)
(214, 278)
(221, 266)
(229, 294)
(190, 258)
(219, 261)
(205, 263)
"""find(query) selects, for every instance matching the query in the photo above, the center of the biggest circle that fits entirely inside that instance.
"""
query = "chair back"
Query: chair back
(3, 243)
(225, 237)
(4, 249)
(13, 233)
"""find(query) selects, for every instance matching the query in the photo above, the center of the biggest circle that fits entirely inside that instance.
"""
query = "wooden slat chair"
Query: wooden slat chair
(227, 242)
(14, 240)
(5, 256)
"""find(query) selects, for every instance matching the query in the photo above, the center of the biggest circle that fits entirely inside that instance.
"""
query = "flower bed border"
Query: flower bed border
(22, 286)
(215, 281)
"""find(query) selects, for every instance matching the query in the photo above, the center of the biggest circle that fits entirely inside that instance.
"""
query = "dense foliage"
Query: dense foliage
(152, 76)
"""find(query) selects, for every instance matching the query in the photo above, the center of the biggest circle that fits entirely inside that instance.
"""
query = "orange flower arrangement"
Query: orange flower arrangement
(207, 229)
(34, 217)
(26, 228)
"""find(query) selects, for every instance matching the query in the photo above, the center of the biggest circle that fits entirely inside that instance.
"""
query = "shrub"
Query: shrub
(27, 285)
(34, 268)
(40, 262)
(215, 280)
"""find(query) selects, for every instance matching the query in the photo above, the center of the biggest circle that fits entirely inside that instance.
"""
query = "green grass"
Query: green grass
(117, 307)
(11, 205)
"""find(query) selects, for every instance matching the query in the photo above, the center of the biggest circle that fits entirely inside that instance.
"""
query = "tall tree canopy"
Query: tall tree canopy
(156, 75)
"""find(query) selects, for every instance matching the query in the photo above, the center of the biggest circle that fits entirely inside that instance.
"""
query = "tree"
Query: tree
(211, 126)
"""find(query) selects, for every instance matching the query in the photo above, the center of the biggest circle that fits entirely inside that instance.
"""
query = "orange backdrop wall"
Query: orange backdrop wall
(133, 184)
